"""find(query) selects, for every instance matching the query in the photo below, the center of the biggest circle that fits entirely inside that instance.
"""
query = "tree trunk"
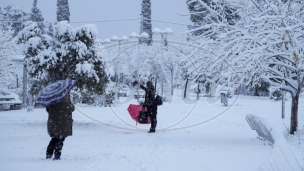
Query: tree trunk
(208, 89)
(122, 77)
(162, 88)
(24, 86)
(294, 114)
(185, 91)
(172, 84)
(256, 91)
(283, 105)
(155, 82)
(198, 91)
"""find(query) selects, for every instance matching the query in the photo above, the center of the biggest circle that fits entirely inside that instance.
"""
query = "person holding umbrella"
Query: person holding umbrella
(149, 103)
(59, 126)
(56, 98)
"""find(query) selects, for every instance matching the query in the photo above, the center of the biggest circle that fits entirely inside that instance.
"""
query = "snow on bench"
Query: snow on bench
(282, 157)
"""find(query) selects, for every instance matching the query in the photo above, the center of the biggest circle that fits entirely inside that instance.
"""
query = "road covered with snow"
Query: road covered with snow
(190, 135)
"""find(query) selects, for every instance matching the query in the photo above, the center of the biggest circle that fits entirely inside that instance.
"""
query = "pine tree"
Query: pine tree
(36, 16)
(145, 25)
(197, 16)
(63, 12)
(50, 30)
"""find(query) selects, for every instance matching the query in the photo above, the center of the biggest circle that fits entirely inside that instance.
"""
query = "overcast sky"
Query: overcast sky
(92, 10)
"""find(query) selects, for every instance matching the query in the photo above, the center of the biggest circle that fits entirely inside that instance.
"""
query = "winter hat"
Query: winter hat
(149, 84)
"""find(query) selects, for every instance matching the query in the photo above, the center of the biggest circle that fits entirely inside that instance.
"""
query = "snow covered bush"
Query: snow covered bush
(68, 53)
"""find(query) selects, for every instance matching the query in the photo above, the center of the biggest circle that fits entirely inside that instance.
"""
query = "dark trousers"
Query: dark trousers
(152, 114)
(55, 147)
(153, 121)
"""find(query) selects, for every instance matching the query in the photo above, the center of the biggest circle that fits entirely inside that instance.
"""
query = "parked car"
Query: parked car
(141, 94)
(10, 102)
(124, 86)
(124, 92)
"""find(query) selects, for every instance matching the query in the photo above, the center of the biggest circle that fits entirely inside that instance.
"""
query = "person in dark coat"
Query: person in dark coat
(59, 126)
(149, 103)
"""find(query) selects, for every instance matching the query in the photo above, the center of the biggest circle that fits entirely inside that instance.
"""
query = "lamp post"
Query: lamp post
(163, 33)
(24, 81)
(17, 81)
(119, 40)
(138, 36)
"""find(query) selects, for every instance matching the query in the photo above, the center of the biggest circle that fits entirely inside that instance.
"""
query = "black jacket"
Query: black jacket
(60, 118)
(149, 96)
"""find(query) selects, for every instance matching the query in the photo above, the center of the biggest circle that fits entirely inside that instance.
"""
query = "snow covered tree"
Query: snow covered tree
(198, 16)
(71, 53)
(63, 12)
(37, 48)
(36, 15)
(7, 50)
(14, 18)
(276, 48)
(201, 14)
(282, 55)
(92, 76)
(170, 65)
(146, 25)
(266, 43)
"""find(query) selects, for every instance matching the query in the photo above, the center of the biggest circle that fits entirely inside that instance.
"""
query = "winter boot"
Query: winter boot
(48, 156)
(58, 148)
(57, 154)
(49, 152)
(50, 149)
(57, 157)
(151, 130)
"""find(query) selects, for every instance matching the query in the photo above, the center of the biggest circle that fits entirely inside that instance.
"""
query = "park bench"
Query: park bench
(282, 157)
(264, 132)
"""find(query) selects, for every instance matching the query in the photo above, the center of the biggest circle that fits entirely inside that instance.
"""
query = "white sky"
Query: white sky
(92, 10)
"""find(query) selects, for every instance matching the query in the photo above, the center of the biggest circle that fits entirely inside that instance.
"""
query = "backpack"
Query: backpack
(142, 117)
(158, 100)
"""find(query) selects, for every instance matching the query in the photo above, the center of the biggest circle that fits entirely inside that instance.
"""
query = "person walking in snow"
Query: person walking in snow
(59, 126)
(149, 103)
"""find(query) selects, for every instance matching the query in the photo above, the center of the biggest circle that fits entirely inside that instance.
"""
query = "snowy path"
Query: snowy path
(225, 143)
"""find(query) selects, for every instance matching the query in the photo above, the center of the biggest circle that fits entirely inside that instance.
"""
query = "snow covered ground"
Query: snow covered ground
(190, 136)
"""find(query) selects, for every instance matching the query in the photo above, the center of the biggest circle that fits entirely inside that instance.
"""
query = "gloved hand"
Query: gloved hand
(135, 82)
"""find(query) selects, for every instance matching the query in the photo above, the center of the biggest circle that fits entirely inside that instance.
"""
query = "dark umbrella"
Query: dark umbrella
(54, 92)
(134, 112)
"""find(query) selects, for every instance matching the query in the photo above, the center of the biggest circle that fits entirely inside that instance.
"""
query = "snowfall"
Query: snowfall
(191, 134)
